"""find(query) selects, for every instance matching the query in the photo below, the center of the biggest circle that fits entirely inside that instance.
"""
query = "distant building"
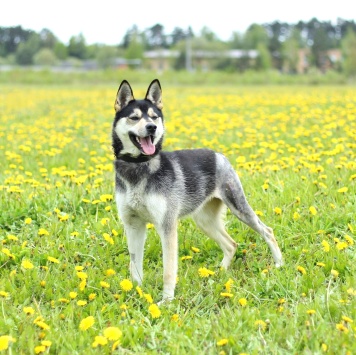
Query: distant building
(163, 59)
(331, 59)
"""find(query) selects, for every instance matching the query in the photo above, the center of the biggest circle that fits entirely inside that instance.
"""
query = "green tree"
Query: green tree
(60, 50)
(348, 45)
(26, 50)
(45, 56)
(77, 47)
(264, 60)
(320, 45)
(255, 35)
(106, 55)
(48, 39)
(290, 51)
(135, 48)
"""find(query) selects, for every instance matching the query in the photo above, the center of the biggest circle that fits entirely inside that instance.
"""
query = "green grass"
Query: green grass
(56, 161)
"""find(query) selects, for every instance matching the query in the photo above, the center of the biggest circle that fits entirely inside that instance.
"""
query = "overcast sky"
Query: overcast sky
(104, 21)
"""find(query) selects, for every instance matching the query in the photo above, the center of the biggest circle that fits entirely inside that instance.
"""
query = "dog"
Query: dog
(162, 187)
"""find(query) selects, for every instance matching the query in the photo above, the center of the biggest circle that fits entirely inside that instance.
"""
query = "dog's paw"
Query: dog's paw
(279, 264)
(165, 300)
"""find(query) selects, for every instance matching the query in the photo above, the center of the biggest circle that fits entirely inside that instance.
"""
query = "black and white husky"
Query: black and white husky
(162, 187)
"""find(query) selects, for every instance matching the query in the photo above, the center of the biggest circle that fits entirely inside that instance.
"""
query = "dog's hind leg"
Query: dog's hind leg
(135, 231)
(209, 219)
(234, 197)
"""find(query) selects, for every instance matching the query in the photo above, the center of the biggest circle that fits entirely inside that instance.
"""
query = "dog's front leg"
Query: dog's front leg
(169, 239)
(135, 231)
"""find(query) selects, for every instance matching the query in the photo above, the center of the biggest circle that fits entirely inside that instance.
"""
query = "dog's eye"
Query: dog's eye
(134, 118)
(154, 117)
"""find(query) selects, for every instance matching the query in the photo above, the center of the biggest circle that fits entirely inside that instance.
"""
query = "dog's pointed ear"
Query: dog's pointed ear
(154, 94)
(124, 96)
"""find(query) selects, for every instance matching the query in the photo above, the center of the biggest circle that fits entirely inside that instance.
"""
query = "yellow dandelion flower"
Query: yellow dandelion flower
(82, 285)
(149, 226)
(12, 237)
(42, 232)
(86, 323)
(186, 257)
(313, 211)
(326, 246)
(204, 272)
(261, 324)
(296, 216)
(28, 220)
(106, 197)
(342, 328)
(42, 325)
(259, 213)
(139, 291)
(343, 190)
(341, 245)
(334, 273)
(105, 221)
(104, 284)
(99, 340)
(349, 240)
(26, 264)
(8, 253)
(46, 343)
(228, 284)
(110, 272)
(154, 311)
(40, 349)
(243, 302)
(63, 217)
(222, 342)
(115, 345)
(126, 285)
(82, 275)
(226, 294)
(277, 210)
(196, 250)
(108, 238)
(324, 347)
(112, 333)
(92, 296)
(301, 269)
(175, 317)
(311, 311)
(53, 260)
(347, 319)
(79, 268)
(28, 310)
(82, 303)
(148, 297)
(320, 264)
(73, 295)
(5, 341)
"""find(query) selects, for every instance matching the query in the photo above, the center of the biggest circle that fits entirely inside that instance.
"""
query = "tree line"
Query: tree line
(278, 45)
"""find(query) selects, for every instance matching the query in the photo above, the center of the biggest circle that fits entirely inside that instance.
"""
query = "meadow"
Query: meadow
(64, 281)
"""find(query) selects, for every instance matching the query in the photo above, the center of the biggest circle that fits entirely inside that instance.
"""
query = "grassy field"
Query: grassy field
(64, 282)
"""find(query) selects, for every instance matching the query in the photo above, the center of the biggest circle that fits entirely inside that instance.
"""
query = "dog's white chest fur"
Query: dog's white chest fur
(135, 201)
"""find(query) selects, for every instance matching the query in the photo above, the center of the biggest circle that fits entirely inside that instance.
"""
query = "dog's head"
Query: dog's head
(138, 126)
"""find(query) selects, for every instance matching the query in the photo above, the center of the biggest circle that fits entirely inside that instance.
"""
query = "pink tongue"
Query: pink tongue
(147, 145)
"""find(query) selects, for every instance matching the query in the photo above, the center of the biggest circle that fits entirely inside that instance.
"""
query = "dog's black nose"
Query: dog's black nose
(151, 128)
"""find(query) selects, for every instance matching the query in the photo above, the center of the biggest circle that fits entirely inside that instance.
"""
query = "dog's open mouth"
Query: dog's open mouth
(145, 144)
